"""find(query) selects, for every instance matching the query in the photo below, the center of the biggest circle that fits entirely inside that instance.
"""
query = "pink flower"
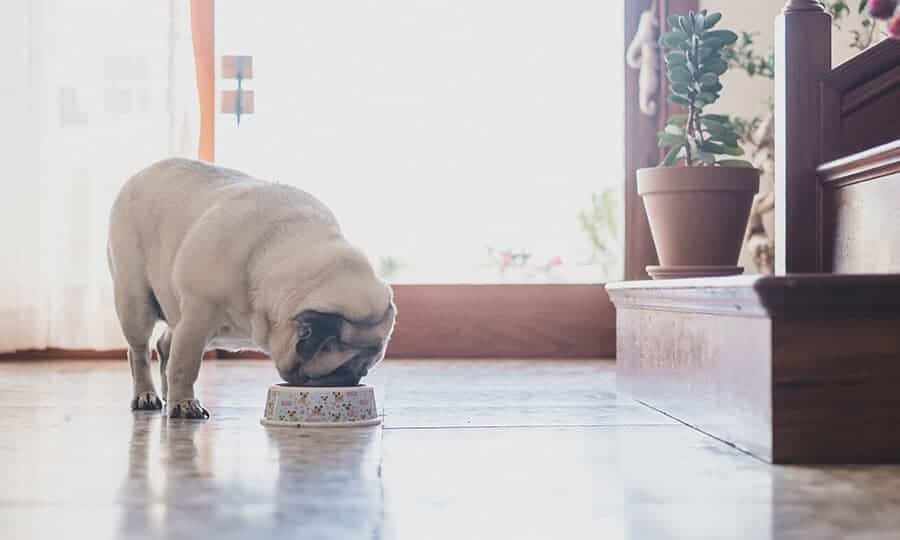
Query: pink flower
(556, 261)
(882, 9)
(894, 28)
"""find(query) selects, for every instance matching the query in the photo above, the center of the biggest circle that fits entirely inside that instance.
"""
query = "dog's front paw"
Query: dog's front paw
(146, 401)
(187, 408)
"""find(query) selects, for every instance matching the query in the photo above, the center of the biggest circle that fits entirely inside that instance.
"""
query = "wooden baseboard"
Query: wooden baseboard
(475, 321)
(77, 354)
(72, 354)
(797, 369)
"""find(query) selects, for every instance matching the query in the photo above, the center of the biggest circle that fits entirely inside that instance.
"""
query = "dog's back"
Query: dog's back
(184, 206)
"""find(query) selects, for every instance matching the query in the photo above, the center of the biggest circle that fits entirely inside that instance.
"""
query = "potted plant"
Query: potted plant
(698, 200)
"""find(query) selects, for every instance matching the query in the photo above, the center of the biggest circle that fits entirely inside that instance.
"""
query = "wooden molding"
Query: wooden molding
(870, 164)
(475, 321)
(725, 296)
(865, 66)
(55, 353)
(499, 321)
(866, 92)
(775, 297)
(860, 102)
(793, 369)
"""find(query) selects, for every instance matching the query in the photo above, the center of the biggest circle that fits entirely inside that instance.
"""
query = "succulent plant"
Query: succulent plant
(694, 58)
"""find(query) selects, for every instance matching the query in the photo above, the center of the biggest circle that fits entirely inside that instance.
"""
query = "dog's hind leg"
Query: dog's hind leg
(138, 313)
(163, 348)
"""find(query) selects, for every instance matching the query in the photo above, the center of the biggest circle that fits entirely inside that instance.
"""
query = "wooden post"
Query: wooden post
(802, 59)
(640, 151)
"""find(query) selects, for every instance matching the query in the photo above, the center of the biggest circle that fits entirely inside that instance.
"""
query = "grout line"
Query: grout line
(710, 435)
(527, 426)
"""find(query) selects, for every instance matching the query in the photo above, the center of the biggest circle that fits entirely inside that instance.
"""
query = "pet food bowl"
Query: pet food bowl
(320, 406)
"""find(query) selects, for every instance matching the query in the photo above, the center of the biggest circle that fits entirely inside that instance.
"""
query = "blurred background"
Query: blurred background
(458, 142)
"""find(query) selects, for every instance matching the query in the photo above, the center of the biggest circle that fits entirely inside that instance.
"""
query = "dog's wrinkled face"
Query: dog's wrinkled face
(329, 350)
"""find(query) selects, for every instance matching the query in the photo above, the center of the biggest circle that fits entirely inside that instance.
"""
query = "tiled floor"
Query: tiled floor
(476, 449)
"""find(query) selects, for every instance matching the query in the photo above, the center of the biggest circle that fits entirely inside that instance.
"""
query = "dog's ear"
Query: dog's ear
(314, 330)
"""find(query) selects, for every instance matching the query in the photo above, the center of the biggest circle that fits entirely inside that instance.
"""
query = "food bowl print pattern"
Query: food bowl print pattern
(319, 407)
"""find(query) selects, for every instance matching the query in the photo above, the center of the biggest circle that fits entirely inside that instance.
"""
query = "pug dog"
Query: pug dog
(229, 261)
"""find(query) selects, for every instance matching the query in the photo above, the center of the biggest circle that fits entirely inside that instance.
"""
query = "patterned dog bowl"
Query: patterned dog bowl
(315, 406)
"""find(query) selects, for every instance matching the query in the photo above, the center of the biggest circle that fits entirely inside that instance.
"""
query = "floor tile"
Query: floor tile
(468, 449)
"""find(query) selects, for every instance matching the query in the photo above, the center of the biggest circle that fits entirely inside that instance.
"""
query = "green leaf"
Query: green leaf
(715, 43)
(676, 58)
(712, 123)
(669, 139)
(714, 65)
(688, 22)
(673, 20)
(679, 100)
(708, 97)
(672, 156)
(735, 163)
(726, 37)
(711, 20)
(717, 130)
(716, 148)
(721, 118)
(714, 89)
(699, 21)
(727, 136)
(705, 52)
(673, 39)
(709, 79)
(728, 142)
(681, 89)
(680, 74)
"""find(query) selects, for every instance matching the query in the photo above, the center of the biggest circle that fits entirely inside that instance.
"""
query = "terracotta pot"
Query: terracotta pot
(698, 215)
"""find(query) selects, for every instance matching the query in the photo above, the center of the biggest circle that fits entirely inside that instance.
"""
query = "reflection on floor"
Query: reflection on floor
(474, 449)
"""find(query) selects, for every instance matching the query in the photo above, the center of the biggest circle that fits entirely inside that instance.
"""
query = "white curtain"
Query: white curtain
(91, 91)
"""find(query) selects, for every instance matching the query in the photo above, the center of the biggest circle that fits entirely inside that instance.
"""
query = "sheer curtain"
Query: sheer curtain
(92, 91)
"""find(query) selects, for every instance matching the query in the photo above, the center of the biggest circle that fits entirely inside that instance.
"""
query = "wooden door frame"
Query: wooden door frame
(641, 148)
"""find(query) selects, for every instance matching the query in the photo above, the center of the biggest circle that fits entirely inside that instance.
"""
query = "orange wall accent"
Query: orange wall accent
(204, 39)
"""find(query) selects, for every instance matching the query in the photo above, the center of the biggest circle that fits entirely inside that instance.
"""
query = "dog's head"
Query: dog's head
(338, 330)
(331, 350)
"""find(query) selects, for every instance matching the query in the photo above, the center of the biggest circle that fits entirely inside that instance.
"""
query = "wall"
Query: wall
(745, 96)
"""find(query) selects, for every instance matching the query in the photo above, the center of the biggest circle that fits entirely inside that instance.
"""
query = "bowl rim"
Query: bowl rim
(356, 423)
(294, 388)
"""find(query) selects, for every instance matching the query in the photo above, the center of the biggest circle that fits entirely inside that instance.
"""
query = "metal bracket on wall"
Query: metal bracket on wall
(237, 102)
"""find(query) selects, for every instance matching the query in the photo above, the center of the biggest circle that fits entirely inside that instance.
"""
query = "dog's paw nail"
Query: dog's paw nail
(188, 408)
(146, 401)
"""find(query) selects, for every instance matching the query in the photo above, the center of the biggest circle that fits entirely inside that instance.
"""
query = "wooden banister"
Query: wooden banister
(803, 53)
